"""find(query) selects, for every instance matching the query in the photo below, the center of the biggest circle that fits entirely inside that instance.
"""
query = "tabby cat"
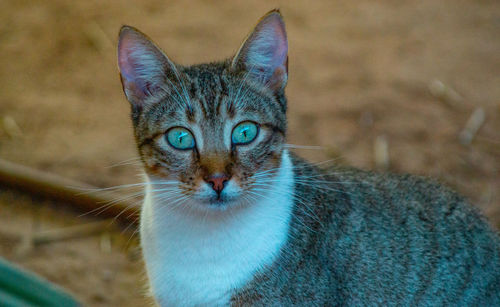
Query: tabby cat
(231, 217)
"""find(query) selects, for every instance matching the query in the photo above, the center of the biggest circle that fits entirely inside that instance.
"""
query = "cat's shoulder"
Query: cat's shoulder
(360, 178)
(382, 193)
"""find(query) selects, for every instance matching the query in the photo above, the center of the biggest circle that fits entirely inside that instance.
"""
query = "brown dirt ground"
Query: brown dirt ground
(358, 70)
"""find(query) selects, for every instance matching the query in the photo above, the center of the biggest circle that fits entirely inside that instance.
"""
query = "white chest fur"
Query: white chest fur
(194, 260)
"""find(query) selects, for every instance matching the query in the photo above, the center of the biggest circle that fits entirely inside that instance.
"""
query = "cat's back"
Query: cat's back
(417, 239)
(364, 238)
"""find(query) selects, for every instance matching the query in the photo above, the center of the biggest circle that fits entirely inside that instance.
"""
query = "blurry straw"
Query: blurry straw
(26, 243)
(29, 240)
(472, 126)
(444, 93)
(10, 127)
(105, 243)
(381, 153)
(71, 232)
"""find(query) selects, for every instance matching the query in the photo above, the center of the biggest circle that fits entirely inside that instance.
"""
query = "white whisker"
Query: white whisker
(304, 146)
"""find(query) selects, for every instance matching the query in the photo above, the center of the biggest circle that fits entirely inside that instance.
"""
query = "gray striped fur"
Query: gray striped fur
(371, 239)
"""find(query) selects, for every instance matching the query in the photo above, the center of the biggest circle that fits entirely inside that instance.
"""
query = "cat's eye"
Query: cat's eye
(180, 138)
(244, 133)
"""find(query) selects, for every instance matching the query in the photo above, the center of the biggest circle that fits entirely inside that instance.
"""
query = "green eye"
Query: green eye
(244, 133)
(180, 138)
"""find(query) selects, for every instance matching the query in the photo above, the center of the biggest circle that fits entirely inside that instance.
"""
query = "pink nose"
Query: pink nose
(218, 182)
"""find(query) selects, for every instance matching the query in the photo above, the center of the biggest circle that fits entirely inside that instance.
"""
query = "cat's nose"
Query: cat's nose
(218, 182)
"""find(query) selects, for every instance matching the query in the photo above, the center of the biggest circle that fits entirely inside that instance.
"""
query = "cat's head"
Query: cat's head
(211, 132)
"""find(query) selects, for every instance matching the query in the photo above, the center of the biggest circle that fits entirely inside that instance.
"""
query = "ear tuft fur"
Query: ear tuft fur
(142, 65)
(264, 54)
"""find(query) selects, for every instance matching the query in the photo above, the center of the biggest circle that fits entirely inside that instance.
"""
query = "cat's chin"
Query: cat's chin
(221, 203)
(216, 203)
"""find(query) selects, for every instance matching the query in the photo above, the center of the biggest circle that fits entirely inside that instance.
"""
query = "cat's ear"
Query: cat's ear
(143, 66)
(264, 53)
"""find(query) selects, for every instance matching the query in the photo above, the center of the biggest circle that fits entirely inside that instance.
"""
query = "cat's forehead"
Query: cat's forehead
(213, 90)
(205, 71)
(212, 81)
(208, 85)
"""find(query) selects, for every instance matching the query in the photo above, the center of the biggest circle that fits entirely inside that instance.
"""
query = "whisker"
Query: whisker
(136, 230)
(186, 95)
(110, 204)
(115, 202)
(124, 186)
(179, 102)
(304, 146)
(124, 210)
(236, 99)
(126, 162)
(295, 167)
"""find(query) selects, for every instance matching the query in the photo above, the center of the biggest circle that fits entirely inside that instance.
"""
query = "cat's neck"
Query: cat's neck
(194, 259)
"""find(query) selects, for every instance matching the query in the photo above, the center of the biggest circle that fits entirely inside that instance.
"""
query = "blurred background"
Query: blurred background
(404, 86)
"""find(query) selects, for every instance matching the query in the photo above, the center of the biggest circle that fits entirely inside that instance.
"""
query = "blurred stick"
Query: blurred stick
(444, 93)
(71, 232)
(11, 128)
(65, 190)
(381, 153)
(472, 126)
(28, 242)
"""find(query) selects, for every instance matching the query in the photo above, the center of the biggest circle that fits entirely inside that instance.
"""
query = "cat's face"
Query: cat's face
(211, 133)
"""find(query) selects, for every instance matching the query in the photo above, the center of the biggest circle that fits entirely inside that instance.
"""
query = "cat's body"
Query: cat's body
(232, 218)
(368, 239)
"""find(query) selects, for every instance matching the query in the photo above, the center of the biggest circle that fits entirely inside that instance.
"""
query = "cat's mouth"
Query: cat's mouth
(219, 201)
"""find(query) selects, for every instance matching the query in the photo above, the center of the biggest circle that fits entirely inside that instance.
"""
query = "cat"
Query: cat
(231, 217)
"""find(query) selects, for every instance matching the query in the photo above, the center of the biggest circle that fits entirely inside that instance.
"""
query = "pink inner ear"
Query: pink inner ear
(135, 88)
(126, 61)
(281, 47)
(270, 45)
(141, 64)
(265, 51)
